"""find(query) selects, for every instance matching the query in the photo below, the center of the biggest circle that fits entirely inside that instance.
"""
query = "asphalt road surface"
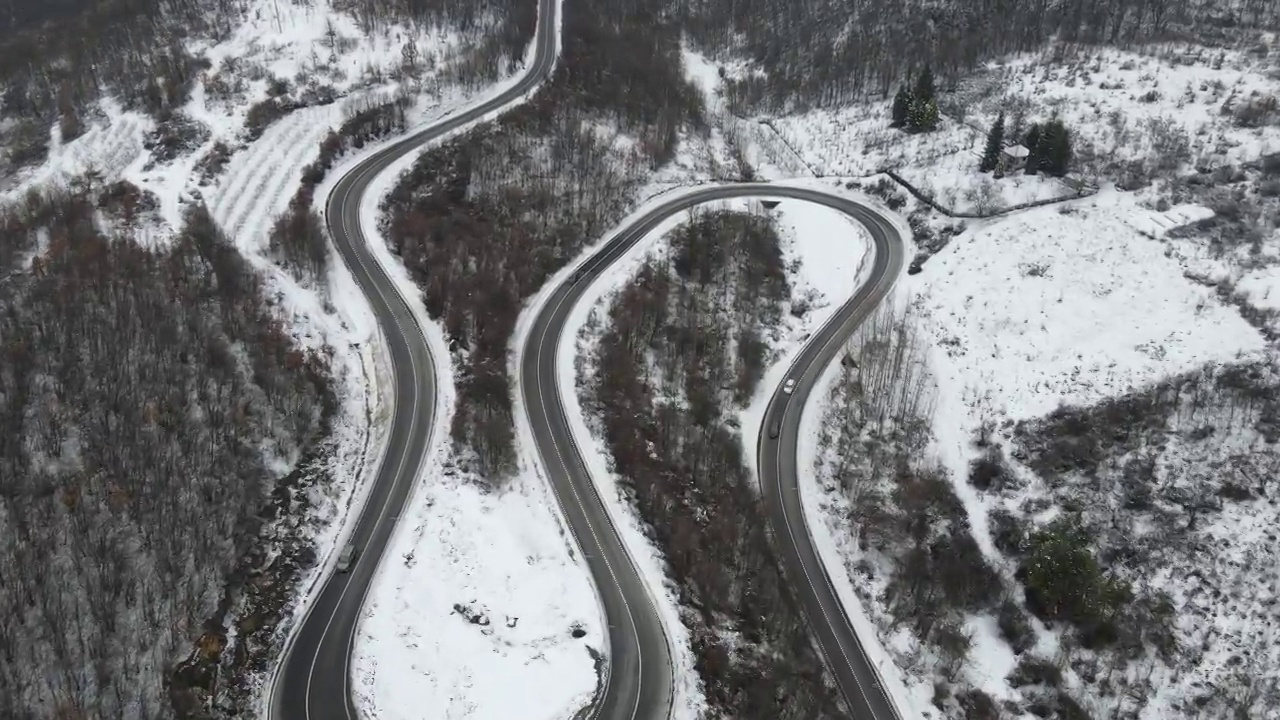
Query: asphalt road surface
(637, 682)
(314, 681)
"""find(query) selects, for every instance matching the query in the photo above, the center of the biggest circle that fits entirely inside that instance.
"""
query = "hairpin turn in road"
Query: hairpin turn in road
(638, 683)
(313, 682)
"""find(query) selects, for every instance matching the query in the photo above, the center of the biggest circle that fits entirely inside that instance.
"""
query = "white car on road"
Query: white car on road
(346, 558)
(789, 385)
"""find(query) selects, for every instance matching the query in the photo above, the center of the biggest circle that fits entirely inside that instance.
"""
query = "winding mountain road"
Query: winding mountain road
(313, 681)
(778, 467)
(638, 683)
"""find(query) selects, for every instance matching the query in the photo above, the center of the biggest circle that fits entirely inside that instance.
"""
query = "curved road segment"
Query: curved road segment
(314, 680)
(638, 679)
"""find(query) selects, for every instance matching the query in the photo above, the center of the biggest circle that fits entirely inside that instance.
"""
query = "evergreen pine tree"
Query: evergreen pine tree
(924, 115)
(915, 109)
(924, 86)
(995, 143)
(901, 106)
(1048, 141)
(1055, 148)
(1032, 142)
(1064, 153)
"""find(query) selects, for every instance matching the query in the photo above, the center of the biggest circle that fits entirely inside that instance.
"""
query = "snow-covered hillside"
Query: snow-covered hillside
(1133, 115)
(1141, 306)
(1069, 304)
(277, 83)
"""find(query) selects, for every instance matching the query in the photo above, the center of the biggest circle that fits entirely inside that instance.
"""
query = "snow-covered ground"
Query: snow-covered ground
(1069, 304)
(1262, 287)
(768, 154)
(1172, 105)
(1110, 98)
(305, 51)
(476, 608)
(261, 179)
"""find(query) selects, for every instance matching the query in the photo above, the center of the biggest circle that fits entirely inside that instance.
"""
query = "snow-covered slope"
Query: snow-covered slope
(1080, 304)
(1133, 115)
(1075, 304)
(500, 556)
(1069, 304)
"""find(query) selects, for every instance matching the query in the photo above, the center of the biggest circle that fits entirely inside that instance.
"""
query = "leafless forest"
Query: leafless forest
(141, 394)
(483, 221)
(823, 53)
(908, 522)
(1149, 482)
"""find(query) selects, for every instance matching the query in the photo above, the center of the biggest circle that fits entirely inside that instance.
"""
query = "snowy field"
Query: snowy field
(1171, 106)
(954, 182)
(476, 608)
(1111, 98)
(1072, 304)
(1262, 287)
(1077, 303)
(1069, 304)
(261, 179)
